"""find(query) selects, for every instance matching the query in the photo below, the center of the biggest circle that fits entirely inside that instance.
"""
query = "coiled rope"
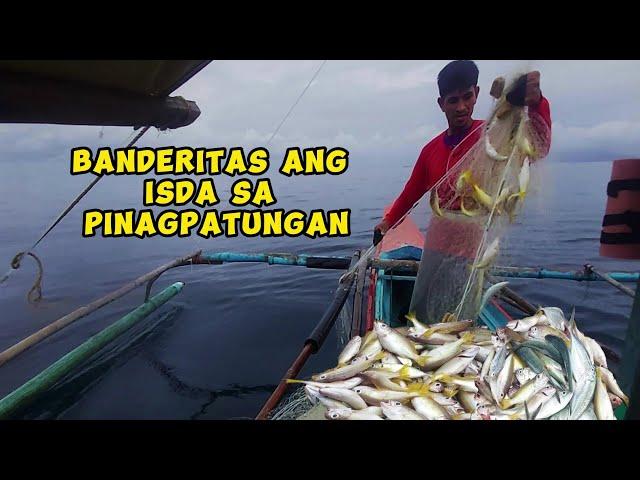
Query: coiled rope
(35, 293)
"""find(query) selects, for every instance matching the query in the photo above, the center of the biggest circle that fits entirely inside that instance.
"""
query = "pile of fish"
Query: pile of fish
(539, 367)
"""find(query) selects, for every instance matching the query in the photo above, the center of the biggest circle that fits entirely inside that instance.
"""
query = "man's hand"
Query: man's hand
(383, 226)
(532, 94)
(379, 231)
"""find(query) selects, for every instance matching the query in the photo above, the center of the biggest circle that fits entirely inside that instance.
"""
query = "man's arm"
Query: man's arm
(533, 97)
(415, 187)
(538, 109)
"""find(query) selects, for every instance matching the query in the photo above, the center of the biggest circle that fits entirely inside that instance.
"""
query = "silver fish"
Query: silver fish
(611, 384)
(561, 415)
(599, 358)
(471, 401)
(483, 353)
(349, 414)
(491, 291)
(458, 363)
(524, 324)
(527, 391)
(348, 371)
(390, 358)
(399, 370)
(374, 396)
(498, 361)
(395, 410)
(418, 327)
(584, 373)
(538, 399)
(601, 402)
(616, 401)
(369, 338)
(344, 395)
(590, 414)
(484, 389)
(466, 383)
(441, 355)
(350, 383)
(487, 363)
(558, 402)
(313, 394)
(397, 344)
(489, 255)
(504, 379)
(435, 339)
(429, 408)
(382, 381)
(350, 350)
(540, 331)
(554, 317)
(366, 351)
(524, 375)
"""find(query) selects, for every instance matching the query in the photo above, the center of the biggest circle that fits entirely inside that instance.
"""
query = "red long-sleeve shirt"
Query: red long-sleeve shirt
(434, 162)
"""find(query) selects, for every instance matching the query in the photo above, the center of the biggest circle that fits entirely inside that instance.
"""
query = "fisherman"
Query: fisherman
(441, 268)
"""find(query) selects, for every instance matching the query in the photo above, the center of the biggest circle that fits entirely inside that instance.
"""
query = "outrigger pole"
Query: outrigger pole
(62, 322)
(28, 392)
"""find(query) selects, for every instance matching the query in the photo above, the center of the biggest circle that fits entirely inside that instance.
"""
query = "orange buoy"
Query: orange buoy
(620, 237)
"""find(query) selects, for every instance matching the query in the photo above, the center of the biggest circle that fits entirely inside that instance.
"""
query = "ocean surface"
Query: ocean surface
(238, 327)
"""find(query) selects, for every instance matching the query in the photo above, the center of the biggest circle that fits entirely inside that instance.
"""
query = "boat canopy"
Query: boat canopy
(130, 93)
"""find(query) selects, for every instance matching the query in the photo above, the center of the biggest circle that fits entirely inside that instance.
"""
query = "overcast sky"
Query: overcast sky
(373, 108)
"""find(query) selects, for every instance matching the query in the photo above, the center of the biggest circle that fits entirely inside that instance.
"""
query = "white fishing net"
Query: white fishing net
(481, 194)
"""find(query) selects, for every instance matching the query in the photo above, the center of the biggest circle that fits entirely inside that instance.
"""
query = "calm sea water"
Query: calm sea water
(239, 326)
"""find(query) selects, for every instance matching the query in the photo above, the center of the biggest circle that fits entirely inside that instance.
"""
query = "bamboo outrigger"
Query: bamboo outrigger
(137, 94)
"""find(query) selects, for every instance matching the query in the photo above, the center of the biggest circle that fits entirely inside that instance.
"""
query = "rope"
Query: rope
(296, 102)
(367, 254)
(15, 262)
(487, 226)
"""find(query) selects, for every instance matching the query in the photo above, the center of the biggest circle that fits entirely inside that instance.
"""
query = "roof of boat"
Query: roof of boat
(97, 92)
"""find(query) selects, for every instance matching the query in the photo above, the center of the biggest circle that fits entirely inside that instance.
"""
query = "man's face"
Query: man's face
(458, 106)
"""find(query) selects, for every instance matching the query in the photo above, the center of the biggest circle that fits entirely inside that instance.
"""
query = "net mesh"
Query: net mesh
(482, 192)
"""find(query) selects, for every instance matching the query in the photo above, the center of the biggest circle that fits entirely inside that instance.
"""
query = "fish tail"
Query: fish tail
(450, 391)
(422, 361)
(482, 197)
(379, 356)
(403, 373)
(467, 337)
(428, 332)
(466, 212)
(435, 203)
(445, 378)
(293, 380)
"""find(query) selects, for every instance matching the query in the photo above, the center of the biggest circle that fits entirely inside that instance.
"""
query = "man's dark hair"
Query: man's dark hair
(457, 75)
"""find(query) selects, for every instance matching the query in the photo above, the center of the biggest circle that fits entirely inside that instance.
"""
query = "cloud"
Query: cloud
(616, 135)
(379, 79)
(376, 108)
